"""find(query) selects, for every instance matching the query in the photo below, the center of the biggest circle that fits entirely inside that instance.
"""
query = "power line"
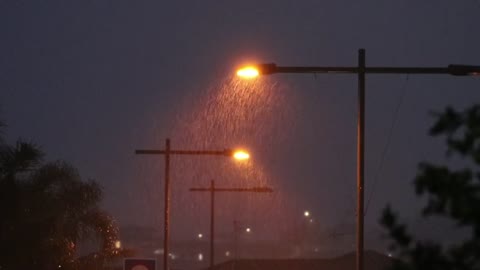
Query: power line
(387, 144)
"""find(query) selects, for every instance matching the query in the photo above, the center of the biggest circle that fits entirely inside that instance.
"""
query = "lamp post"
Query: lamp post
(212, 189)
(167, 152)
(361, 70)
(237, 227)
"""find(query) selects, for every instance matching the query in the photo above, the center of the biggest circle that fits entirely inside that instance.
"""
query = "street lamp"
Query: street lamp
(271, 68)
(248, 72)
(167, 152)
(212, 189)
(241, 155)
(361, 70)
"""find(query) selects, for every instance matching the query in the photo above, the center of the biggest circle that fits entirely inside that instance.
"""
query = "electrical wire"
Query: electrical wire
(387, 144)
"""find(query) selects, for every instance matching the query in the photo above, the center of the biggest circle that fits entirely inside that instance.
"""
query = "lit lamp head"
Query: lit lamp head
(241, 155)
(250, 72)
(237, 154)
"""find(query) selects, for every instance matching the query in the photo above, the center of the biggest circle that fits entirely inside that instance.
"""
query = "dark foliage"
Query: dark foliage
(450, 193)
(46, 211)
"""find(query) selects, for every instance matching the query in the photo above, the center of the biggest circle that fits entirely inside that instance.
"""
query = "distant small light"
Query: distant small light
(389, 255)
(311, 220)
(172, 256)
(59, 266)
(118, 244)
(227, 253)
(248, 230)
(158, 251)
(306, 213)
(200, 257)
(200, 235)
(316, 250)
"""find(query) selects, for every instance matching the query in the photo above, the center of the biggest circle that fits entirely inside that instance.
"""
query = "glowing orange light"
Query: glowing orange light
(241, 155)
(248, 72)
(306, 213)
(118, 244)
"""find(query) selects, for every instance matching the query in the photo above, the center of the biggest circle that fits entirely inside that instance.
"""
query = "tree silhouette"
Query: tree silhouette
(46, 211)
(450, 193)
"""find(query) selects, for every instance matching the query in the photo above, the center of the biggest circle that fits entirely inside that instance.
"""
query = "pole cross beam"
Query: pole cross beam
(458, 70)
(257, 189)
(212, 189)
(226, 152)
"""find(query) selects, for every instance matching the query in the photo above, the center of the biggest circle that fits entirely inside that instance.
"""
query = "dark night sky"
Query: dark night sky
(91, 81)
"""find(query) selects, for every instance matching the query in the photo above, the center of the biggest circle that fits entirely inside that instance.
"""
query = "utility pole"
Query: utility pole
(236, 229)
(360, 158)
(212, 189)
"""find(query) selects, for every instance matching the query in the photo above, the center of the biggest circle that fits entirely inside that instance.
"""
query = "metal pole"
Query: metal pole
(212, 224)
(360, 156)
(235, 239)
(167, 205)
